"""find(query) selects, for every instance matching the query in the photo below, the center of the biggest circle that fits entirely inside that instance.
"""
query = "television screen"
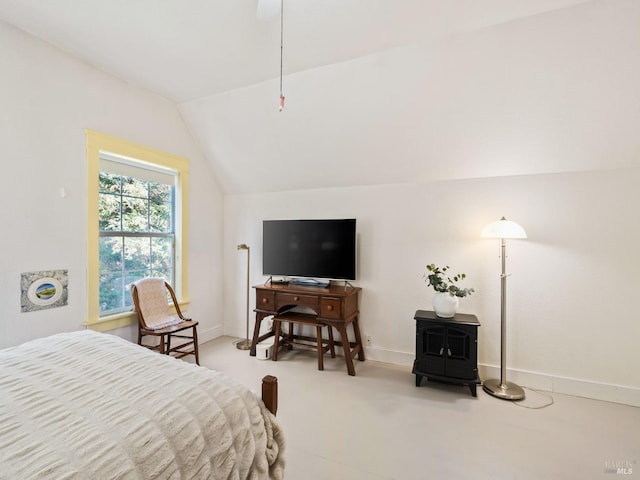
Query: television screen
(310, 248)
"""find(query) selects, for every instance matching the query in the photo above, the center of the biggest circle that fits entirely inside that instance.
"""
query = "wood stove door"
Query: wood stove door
(461, 351)
(431, 349)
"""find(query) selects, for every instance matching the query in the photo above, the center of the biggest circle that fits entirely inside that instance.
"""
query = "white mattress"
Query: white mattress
(86, 405)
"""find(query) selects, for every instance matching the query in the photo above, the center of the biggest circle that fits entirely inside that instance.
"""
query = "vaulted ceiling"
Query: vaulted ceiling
(378, 91)
(186, 50)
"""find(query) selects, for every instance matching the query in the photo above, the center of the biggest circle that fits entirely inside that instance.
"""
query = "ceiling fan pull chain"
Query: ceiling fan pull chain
(281, 51)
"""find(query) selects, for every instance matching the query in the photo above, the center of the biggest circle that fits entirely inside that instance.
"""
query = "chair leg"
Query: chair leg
(290, 334)
(168, 346)
(161, 344)
(276, 341)
(331, 345)
(320, 348)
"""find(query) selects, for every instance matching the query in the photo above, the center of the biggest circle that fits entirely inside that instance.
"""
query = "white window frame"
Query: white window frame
(100, 144)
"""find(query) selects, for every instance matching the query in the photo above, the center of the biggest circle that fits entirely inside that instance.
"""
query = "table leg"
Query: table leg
(356, 331)
(342, 329)
(256, 333)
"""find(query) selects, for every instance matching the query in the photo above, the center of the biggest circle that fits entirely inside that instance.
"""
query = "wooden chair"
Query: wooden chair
(155, 318)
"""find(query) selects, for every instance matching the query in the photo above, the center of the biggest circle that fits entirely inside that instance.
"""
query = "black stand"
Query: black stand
(447, 349)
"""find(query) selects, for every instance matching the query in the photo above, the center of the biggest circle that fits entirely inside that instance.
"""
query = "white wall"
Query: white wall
(48, 98)
(572, 314)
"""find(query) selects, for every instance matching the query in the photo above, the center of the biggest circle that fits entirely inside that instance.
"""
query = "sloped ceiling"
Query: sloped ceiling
(186, 50)
(378, 91)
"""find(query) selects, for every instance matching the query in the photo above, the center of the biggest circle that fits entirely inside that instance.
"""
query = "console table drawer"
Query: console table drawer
(265, 300)
(330, 308)
(284, 299)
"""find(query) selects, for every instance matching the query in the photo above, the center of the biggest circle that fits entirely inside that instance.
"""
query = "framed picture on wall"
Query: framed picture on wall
(44, 289)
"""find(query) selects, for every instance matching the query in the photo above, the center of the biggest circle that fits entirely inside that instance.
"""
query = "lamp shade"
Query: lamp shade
(503, 228)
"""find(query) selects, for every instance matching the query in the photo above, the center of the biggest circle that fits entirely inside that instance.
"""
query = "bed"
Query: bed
(88, 405)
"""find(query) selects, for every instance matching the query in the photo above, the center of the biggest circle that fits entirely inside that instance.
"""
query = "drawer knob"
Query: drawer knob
(296, 298)
(265, 300)
(330, 307)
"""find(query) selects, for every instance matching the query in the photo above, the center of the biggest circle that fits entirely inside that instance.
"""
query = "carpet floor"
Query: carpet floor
(378, 425)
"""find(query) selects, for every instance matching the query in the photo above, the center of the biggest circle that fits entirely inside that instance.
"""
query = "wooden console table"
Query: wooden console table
(335, 306)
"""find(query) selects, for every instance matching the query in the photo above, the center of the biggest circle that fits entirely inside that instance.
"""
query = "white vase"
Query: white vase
(445, 305)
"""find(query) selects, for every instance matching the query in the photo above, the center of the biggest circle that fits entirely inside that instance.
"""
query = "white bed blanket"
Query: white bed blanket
(86, 405)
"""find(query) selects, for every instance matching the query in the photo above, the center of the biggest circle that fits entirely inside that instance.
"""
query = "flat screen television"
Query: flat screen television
(323, 249)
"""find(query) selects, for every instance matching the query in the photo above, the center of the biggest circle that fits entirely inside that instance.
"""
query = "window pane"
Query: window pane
(134, 276)
(111, 254)
(137, 254)
(166, 274)
(130, 278)
(162, 254)
(159, 192)
(134, 187)
(109, 211)
(109, 183)
(160, 217)
(134, 215)
(111, 292)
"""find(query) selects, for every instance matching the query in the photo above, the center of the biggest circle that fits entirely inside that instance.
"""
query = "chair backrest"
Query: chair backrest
(152, 304)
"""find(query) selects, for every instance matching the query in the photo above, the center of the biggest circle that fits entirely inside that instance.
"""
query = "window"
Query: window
(137, 225)
(137, 234)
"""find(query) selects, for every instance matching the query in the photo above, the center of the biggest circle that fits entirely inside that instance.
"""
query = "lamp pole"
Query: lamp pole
(245, 344)
(503, 389)
(503, 316)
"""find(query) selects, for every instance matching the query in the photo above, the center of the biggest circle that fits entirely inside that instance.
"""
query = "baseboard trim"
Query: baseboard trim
(541, 381)
(389, 356)
(210, 334)
(568, 386)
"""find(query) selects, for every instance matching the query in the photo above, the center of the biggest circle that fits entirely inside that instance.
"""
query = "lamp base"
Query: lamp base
(505, 391)
(243, 344)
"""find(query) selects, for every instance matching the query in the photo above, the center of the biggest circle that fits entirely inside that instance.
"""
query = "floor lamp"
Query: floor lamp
(503, 229)
(246, 343)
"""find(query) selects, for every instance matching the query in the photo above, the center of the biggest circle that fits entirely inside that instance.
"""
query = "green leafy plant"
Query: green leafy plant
(437, 278)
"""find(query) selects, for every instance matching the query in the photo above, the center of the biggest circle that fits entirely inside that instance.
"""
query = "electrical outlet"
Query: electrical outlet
(367, 340)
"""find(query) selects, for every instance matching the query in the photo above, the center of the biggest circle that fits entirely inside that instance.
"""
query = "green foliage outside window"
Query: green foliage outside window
(136, 236)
